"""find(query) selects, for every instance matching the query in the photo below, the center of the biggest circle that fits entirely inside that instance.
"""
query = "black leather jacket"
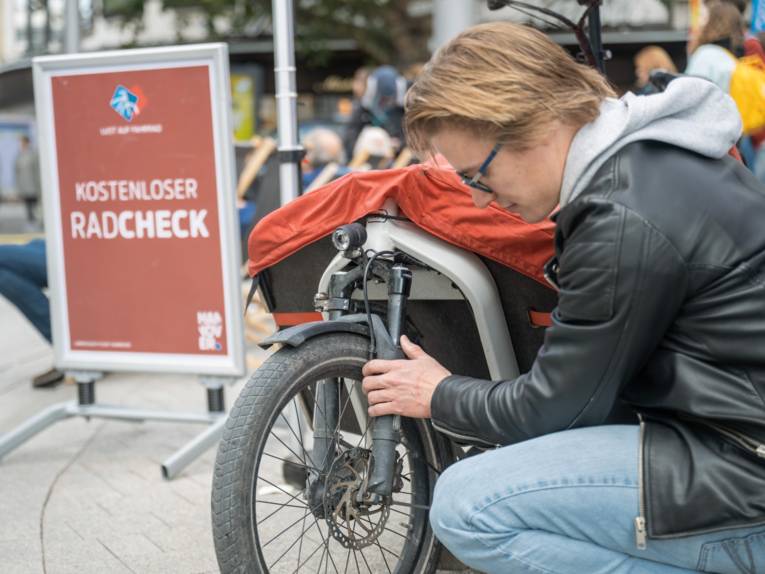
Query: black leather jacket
(661, 269)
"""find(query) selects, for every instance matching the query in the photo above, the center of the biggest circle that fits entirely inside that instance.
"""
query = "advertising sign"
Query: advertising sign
(138, 185)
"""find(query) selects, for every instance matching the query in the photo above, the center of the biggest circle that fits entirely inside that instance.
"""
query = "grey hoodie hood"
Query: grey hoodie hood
(691, 113)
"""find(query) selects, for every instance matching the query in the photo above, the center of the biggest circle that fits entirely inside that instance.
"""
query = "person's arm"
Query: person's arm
(621, 284)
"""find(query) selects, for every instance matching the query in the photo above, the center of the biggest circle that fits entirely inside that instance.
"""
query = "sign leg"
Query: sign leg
(173, 466)
(34, 425)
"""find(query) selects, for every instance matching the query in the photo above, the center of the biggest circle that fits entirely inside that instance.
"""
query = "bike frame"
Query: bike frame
(446, 273)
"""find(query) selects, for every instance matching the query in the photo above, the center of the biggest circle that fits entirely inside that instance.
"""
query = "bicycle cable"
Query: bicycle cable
(365, 290)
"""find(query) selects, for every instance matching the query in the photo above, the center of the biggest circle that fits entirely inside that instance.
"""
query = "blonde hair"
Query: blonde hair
(505, 81)
(655, 58)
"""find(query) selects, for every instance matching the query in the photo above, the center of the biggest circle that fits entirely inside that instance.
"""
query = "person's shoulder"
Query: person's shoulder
(710, 54)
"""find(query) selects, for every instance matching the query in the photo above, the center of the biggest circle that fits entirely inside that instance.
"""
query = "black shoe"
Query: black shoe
(48, 379)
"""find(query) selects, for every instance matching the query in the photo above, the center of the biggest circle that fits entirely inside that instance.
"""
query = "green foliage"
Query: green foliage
(383, 29)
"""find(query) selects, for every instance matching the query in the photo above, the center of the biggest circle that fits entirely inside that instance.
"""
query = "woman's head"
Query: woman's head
(723, 24)
(504, 81)
(652, 58)
(506, 85)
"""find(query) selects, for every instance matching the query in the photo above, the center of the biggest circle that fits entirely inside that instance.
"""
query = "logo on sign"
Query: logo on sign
(210, 326)
(125, 103)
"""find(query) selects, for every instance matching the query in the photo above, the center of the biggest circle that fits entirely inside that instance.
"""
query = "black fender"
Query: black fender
(356, 324)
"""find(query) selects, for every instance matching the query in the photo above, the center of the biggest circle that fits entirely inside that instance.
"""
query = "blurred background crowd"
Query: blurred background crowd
(355, 60)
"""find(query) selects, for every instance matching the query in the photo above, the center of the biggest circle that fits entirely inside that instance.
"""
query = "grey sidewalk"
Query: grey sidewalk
(88, 496)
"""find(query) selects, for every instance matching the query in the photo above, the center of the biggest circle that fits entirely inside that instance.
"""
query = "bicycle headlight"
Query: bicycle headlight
(349, 237)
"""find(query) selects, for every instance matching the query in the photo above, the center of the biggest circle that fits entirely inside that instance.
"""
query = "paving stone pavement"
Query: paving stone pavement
(88, 497)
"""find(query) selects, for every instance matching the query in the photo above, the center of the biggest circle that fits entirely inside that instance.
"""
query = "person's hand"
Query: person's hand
(403, 387)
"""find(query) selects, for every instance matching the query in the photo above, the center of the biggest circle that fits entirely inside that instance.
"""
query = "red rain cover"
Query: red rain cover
(432, 197)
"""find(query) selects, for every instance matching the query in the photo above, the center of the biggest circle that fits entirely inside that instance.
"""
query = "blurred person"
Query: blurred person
(251, 174)
(23, 276)
(720, 42)
(647, 60)
(693, 34)
(28, 177)
(324, 158)
(374, 149)
(356, 121)
(381, 105)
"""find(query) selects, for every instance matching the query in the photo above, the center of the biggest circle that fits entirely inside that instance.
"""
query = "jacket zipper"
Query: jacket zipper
(462, 437)
(641, 535)
(745, 442)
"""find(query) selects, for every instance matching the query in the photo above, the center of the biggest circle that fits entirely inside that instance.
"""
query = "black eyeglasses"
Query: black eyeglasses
(474, 181)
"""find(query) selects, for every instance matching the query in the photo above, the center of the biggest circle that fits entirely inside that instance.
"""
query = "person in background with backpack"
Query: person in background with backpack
(724, 56)
(381, 105)
(719, 44)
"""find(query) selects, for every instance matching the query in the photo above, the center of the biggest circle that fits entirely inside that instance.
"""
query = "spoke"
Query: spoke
(282, 532)
(347, 400)
(284, 460)
(297, 570)
(389, 551)
(347, 561)
(299, 538)
(276, 436)
(291, 497)
(326, 564)
(321, 559)
(377, 542)
(356, 560)
(420, 506)
(300, 548)
(366, 430)
(306, 456)
(383, 557)
(303, 507)
(401, 513)
(396, 532)
(364, 558)
(326, 542)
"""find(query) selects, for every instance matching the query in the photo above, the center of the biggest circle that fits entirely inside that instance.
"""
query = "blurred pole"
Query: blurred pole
(30, 33)
(71, 26)
(286, 99)
(596, 42)
(450, 17)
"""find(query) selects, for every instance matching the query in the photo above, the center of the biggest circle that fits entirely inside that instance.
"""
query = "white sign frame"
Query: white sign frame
(215, 57)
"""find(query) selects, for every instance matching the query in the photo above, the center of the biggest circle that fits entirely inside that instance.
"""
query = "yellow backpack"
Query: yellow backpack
(747, 88)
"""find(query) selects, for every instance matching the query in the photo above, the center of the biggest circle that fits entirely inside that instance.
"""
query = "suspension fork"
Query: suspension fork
(327, 395)
(386, 429)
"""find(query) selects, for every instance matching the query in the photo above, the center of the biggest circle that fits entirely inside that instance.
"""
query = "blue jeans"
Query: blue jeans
(23, 276)
(566, 503)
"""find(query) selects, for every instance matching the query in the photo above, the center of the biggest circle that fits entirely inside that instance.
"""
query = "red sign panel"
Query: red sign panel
(139, 216)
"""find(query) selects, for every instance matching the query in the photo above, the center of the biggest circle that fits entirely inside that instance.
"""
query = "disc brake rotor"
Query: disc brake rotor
(355, 525)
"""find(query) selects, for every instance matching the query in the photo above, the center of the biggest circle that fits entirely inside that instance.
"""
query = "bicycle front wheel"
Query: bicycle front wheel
(265, 520)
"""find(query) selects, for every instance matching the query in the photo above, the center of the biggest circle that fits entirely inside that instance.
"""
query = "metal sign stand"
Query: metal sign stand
(86, 406)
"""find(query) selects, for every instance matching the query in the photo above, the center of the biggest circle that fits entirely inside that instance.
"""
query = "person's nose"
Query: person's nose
(482, 199)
